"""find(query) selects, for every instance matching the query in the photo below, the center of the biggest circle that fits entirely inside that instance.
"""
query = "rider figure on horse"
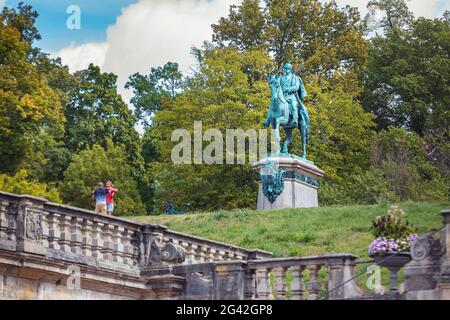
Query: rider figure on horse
(286, 108)
(294, 92)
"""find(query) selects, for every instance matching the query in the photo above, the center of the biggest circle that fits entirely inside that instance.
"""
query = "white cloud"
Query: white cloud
(79, 57)
(2, 3)
(149, 33)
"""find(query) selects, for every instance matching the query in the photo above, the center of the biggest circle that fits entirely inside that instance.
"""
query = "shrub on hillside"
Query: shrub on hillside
(22, 183)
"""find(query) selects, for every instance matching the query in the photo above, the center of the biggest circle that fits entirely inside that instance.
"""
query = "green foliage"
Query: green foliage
(96, 112)
(29, 108)
(394, 225)
(97, 164)
(222, 97)
(322, 39)
(401, 157)
(150, 90)
(22, 183)
(336, 120)
(407, 79)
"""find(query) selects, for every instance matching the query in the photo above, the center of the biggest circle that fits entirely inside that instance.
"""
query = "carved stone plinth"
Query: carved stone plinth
(287, 181)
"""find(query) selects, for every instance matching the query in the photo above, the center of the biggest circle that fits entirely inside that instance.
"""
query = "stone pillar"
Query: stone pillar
(29, 225)
(299, 183)
(445, 266)
(229, 280)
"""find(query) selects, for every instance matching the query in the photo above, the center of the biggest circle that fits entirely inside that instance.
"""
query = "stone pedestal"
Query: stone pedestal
(287, 181)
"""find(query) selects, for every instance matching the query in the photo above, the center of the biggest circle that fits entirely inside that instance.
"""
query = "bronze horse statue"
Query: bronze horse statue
(280, 114)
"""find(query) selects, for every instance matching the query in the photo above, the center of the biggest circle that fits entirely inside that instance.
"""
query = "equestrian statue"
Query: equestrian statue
(286, 108)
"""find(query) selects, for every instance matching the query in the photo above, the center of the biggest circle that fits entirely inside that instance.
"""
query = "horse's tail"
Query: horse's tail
(307, 134)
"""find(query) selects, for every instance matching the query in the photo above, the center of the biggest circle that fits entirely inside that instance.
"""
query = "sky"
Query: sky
(128, 36)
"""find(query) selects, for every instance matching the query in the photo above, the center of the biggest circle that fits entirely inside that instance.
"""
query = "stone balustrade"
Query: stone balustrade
(34, 225)
(300, 278)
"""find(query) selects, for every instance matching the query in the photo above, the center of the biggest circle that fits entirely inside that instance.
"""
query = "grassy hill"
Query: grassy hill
(298, 232)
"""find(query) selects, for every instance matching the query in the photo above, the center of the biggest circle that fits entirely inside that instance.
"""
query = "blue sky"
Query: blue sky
(96, 16)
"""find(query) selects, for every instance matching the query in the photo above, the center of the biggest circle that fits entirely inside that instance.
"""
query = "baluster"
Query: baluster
(12, 222)
(189, 254)
(314, 284)
(54, 232)
(45, 229)
(65, 235)
(86, 242)
(280, 287)
(218, 255)
(211, 254)
(250, 285)
(226, 256)
(203, 255)
(127, 247)
(298, 285)
(3, 219)
(263, 288)
(107, 242)
(97, 240)
(76, 236)
(194, 253)
(117, 244)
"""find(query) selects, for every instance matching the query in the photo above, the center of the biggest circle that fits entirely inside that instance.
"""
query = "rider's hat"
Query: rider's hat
(288, 66)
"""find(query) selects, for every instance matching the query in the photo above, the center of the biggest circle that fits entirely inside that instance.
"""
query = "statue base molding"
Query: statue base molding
(287, 181)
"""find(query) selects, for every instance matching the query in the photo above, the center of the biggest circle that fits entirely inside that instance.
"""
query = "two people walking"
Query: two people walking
(104, 198)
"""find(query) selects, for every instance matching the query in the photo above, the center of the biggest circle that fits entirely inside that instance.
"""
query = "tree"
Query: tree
(401, 157)
(223, 97)
(243, 28)
(220, 96)
(318, 39)
(97, 112)
(29, 108)
(97, 164)
(23, 183)
(163, 83)
(407, 83)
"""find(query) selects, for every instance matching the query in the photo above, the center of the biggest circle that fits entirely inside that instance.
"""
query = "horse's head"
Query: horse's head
(274, 83)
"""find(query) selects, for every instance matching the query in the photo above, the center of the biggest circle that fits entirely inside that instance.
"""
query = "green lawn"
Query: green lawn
(299, 232)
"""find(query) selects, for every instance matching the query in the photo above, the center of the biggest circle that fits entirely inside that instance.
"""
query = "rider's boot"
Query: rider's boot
(294, 117)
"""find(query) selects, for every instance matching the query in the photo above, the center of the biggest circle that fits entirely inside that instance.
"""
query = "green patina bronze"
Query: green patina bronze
(272, 179)
(286, 108)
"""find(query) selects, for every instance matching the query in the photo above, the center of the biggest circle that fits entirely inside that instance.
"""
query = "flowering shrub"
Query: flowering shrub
(393, 233)
(383, 245)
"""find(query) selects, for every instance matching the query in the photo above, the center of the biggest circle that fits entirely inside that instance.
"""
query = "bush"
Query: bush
(400, 157)
(22, 183)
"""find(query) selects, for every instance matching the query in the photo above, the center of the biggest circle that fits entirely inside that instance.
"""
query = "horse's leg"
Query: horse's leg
(277, 135)
(288, 139)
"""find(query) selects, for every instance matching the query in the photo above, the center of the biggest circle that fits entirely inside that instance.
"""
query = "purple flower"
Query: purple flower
(383, 245)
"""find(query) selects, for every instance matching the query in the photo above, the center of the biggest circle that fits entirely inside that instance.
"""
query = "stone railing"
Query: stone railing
(301, 278)
(427, 276)
(34, 225)
(296, 278)
(200, 250)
